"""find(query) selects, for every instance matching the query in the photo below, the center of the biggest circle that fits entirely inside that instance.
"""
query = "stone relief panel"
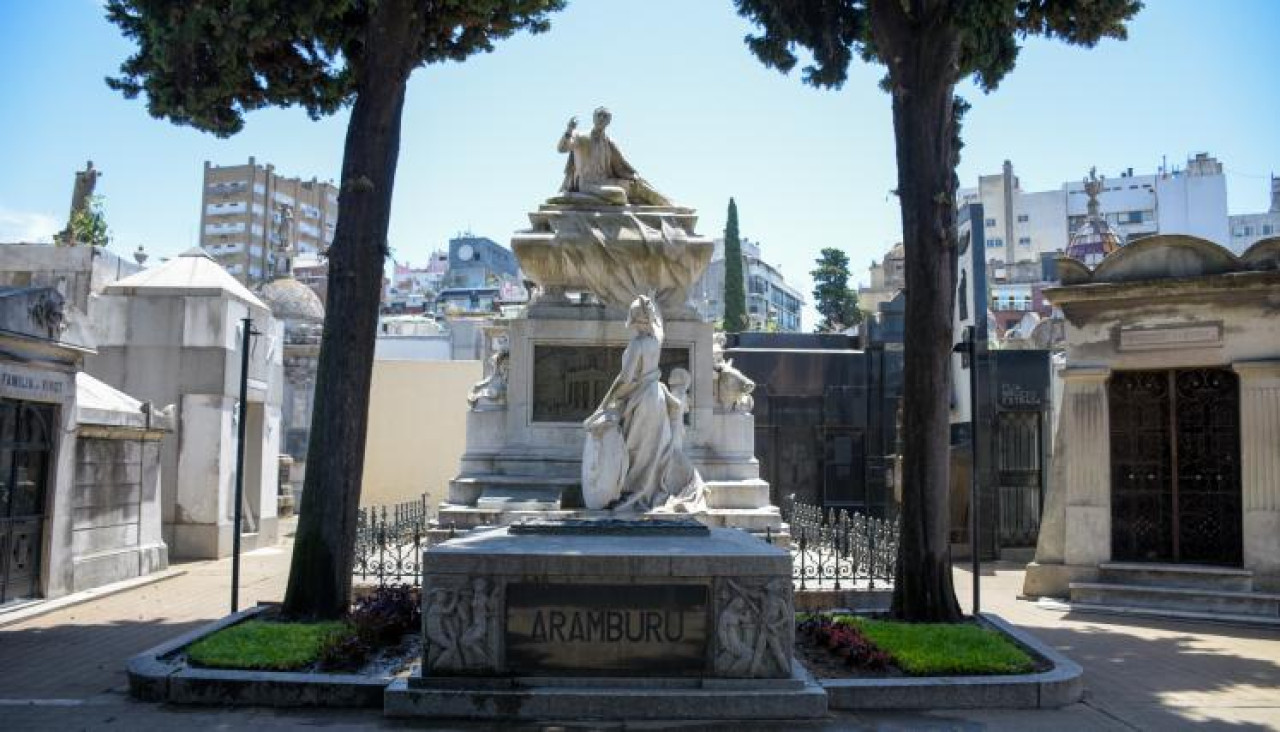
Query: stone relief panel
(570, 381)
(754, 628)
(460, 625)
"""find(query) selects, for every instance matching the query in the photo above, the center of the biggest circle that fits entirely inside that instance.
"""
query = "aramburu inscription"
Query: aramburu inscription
(635, 630)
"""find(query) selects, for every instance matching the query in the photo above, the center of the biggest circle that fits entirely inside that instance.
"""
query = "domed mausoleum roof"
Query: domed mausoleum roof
(290, 300)
(1095, 238)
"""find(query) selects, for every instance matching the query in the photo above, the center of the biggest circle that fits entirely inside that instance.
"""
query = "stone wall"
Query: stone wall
(417, 428)
(115, 521)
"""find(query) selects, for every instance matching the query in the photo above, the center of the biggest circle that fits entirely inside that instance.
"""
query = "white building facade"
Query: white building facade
(1021, 225)
(772, 303)
(1248, 229)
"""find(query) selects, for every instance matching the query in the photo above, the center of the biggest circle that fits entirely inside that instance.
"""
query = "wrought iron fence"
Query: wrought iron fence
(835, 549)
(389, 543)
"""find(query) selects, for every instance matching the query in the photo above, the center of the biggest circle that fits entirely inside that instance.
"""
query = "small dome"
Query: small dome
(1095, 238)
(1093, 241)
(290, 300)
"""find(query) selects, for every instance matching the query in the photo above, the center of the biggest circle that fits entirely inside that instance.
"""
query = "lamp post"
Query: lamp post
(249, 332)
(968, 350)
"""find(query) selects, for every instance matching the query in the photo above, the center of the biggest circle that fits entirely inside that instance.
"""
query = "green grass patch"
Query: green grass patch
(263, 646)
(941, 649)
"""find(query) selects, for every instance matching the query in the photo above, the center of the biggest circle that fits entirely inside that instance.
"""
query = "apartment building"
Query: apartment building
(1021, 225)
(1249, 229)
(772, 303)
(242, 217)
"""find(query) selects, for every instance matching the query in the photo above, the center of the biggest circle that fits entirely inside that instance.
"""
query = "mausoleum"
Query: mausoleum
(1165, 490)
(172, 334)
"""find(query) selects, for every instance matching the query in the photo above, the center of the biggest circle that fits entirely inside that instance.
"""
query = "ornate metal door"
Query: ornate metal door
(1207, 467)
(25, 439)
(1175, 467)
(1018, 477)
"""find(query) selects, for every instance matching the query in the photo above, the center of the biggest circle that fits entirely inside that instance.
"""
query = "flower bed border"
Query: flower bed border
(159, 676)
(1061, 685)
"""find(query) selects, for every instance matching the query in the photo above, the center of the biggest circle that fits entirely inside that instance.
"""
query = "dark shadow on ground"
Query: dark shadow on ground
(74, 661)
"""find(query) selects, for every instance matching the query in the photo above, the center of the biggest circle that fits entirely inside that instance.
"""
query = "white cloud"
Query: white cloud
(27, 226)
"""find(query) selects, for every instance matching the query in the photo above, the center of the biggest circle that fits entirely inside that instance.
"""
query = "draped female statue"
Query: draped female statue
(633, 458)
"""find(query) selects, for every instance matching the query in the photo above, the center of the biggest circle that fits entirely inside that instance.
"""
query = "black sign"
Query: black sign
(1022, 379)
(633, 630)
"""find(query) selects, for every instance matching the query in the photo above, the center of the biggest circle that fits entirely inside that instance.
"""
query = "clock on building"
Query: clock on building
(466, 253)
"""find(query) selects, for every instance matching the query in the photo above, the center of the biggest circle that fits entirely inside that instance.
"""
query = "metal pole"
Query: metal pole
(240, 433)
(971, 336)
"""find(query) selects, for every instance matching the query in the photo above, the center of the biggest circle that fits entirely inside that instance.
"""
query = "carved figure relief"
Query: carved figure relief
(491, 391)
(733, 389)
(754, 628)
(458, 625)
(48, 312)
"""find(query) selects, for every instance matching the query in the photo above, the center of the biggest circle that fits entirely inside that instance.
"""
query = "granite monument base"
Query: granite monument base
(607, 619)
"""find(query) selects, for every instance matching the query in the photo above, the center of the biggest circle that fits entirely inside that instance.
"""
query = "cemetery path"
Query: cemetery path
(65, 669)
(79, 651)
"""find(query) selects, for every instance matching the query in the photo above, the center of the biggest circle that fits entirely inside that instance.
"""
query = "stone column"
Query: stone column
(1260, 468)
(1075, 524)
(1088, 470)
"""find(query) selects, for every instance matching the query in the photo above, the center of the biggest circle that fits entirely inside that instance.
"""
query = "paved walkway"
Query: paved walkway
(65, 670)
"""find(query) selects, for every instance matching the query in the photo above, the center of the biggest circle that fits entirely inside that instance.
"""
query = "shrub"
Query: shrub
(847, 642)
(383, 617)
(343, 651)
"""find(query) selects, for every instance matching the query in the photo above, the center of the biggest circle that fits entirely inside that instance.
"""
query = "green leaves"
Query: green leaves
(206, 63)
(735, 294)
(833, 31)
(89, 225)
(835, 301)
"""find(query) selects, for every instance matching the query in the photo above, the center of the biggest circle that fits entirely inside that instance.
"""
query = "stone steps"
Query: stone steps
(737, 493)
(515, 491)
(1226, 579)
(1176, 599)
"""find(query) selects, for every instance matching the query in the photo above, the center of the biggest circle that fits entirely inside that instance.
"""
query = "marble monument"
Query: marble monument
(608, 394)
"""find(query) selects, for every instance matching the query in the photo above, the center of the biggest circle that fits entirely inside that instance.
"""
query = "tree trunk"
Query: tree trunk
(923, 52)
(320, 574)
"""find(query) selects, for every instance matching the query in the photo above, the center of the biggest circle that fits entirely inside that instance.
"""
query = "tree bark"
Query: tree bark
(320, 574)
(920, 43)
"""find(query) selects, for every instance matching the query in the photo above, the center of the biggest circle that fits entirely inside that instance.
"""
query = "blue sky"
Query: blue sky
(696, 114)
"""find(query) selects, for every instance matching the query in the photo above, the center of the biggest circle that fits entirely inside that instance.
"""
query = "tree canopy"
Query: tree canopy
(206, 64)
(989, 32)
(735, 294)
(89, 225)
(835, 301)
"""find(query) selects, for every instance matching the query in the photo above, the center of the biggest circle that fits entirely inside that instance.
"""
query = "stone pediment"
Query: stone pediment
(1168, 256)
(1263, 255)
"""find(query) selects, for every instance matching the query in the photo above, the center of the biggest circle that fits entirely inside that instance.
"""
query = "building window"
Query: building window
(1267, 229)
(991, 223)
(1024, 241)
(1135, 217)
(1023, 218)
(996, 242)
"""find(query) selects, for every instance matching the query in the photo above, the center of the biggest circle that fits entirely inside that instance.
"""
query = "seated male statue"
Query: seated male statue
(596, 172)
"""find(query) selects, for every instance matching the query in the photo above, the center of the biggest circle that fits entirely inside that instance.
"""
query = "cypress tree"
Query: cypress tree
(735, 295)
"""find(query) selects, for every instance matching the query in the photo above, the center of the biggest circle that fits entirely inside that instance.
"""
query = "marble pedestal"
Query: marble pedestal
(607, 620)
(524, 453)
